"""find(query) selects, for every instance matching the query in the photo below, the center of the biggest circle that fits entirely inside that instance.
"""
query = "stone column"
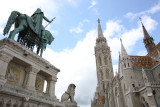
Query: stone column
(31, 77)
(4, 61)
(51, 87)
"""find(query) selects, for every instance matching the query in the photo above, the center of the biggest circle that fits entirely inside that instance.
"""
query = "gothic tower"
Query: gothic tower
(148, 40)
(103, 63)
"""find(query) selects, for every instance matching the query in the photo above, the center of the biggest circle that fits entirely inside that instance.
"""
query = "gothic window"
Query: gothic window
(107, 73)
(101, 75)
(159, 76)
(116, 91)
(128, 64)
(100, 62)
(106, 62)
(124, 65)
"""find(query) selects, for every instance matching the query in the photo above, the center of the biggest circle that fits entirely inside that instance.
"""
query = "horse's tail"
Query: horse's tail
(10, 21)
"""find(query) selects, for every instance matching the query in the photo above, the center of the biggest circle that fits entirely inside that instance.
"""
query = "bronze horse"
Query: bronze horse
(24, 25)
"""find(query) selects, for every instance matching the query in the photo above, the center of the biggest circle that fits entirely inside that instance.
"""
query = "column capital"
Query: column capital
(5, 57)
(52, 78)
(32, 69)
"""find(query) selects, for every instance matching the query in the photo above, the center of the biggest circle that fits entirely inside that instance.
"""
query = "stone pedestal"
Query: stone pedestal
(4, 60)
(22, 76)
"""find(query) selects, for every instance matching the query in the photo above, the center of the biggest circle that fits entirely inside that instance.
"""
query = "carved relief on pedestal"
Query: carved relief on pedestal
(13, 75)
(39, 83)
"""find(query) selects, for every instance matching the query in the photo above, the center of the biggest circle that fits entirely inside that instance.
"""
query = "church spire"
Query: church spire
(146, 35)
(123, 50)
(148, 40)
(100, 34)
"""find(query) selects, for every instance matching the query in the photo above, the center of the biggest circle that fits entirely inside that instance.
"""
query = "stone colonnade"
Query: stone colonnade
(32, 74)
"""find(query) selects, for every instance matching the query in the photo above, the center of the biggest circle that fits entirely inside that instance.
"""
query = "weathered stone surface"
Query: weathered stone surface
(22, 76)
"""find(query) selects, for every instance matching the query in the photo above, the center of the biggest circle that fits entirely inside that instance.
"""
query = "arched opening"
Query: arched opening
(105, 61)
(124, 65)
(128, 65)
(159, 76)
(45, 86)
(100, 61)
(107, 73)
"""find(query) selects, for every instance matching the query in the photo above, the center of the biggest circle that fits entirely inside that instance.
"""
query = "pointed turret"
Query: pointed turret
(123, 51)
(100, 34)
(148, 40)
(124, 58)
(145, 33)
(101, 38)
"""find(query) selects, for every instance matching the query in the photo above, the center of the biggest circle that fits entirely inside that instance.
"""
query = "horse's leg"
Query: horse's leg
(38, 50)
(15, 31)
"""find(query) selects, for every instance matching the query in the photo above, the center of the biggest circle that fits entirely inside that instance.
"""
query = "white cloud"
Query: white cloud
(152, 10)
(155, 8)
(77, 66)
(74, 3)
(93, 3)
(79, 29)
(113, 27)
(142, 53)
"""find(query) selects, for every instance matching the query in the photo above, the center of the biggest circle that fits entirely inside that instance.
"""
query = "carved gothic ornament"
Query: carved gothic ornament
(13, 75)
(39, 84)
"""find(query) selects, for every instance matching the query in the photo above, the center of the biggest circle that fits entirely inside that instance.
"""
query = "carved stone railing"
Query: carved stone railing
(155, 84)
(29, 95)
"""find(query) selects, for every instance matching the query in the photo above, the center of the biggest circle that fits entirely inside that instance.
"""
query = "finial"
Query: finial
(121, 40)
(141, 20)
(98, 20)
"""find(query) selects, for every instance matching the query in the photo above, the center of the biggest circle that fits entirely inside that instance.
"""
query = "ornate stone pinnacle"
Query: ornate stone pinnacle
(98, 20)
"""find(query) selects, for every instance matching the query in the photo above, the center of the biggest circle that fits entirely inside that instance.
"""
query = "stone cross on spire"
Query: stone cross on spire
(100, 34)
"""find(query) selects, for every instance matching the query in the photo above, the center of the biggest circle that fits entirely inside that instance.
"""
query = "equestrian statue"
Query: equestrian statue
(30, 30)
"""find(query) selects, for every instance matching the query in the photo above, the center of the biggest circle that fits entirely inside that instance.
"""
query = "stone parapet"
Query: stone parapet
(27, 95)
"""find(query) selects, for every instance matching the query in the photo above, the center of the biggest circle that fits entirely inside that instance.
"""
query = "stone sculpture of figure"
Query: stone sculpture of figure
(69, 94)
(38, 17)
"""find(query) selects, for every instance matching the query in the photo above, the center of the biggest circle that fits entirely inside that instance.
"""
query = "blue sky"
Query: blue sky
(75, 33)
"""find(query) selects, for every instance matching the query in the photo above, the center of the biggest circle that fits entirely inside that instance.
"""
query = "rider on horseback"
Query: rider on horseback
(38, 17)
(30, 29)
